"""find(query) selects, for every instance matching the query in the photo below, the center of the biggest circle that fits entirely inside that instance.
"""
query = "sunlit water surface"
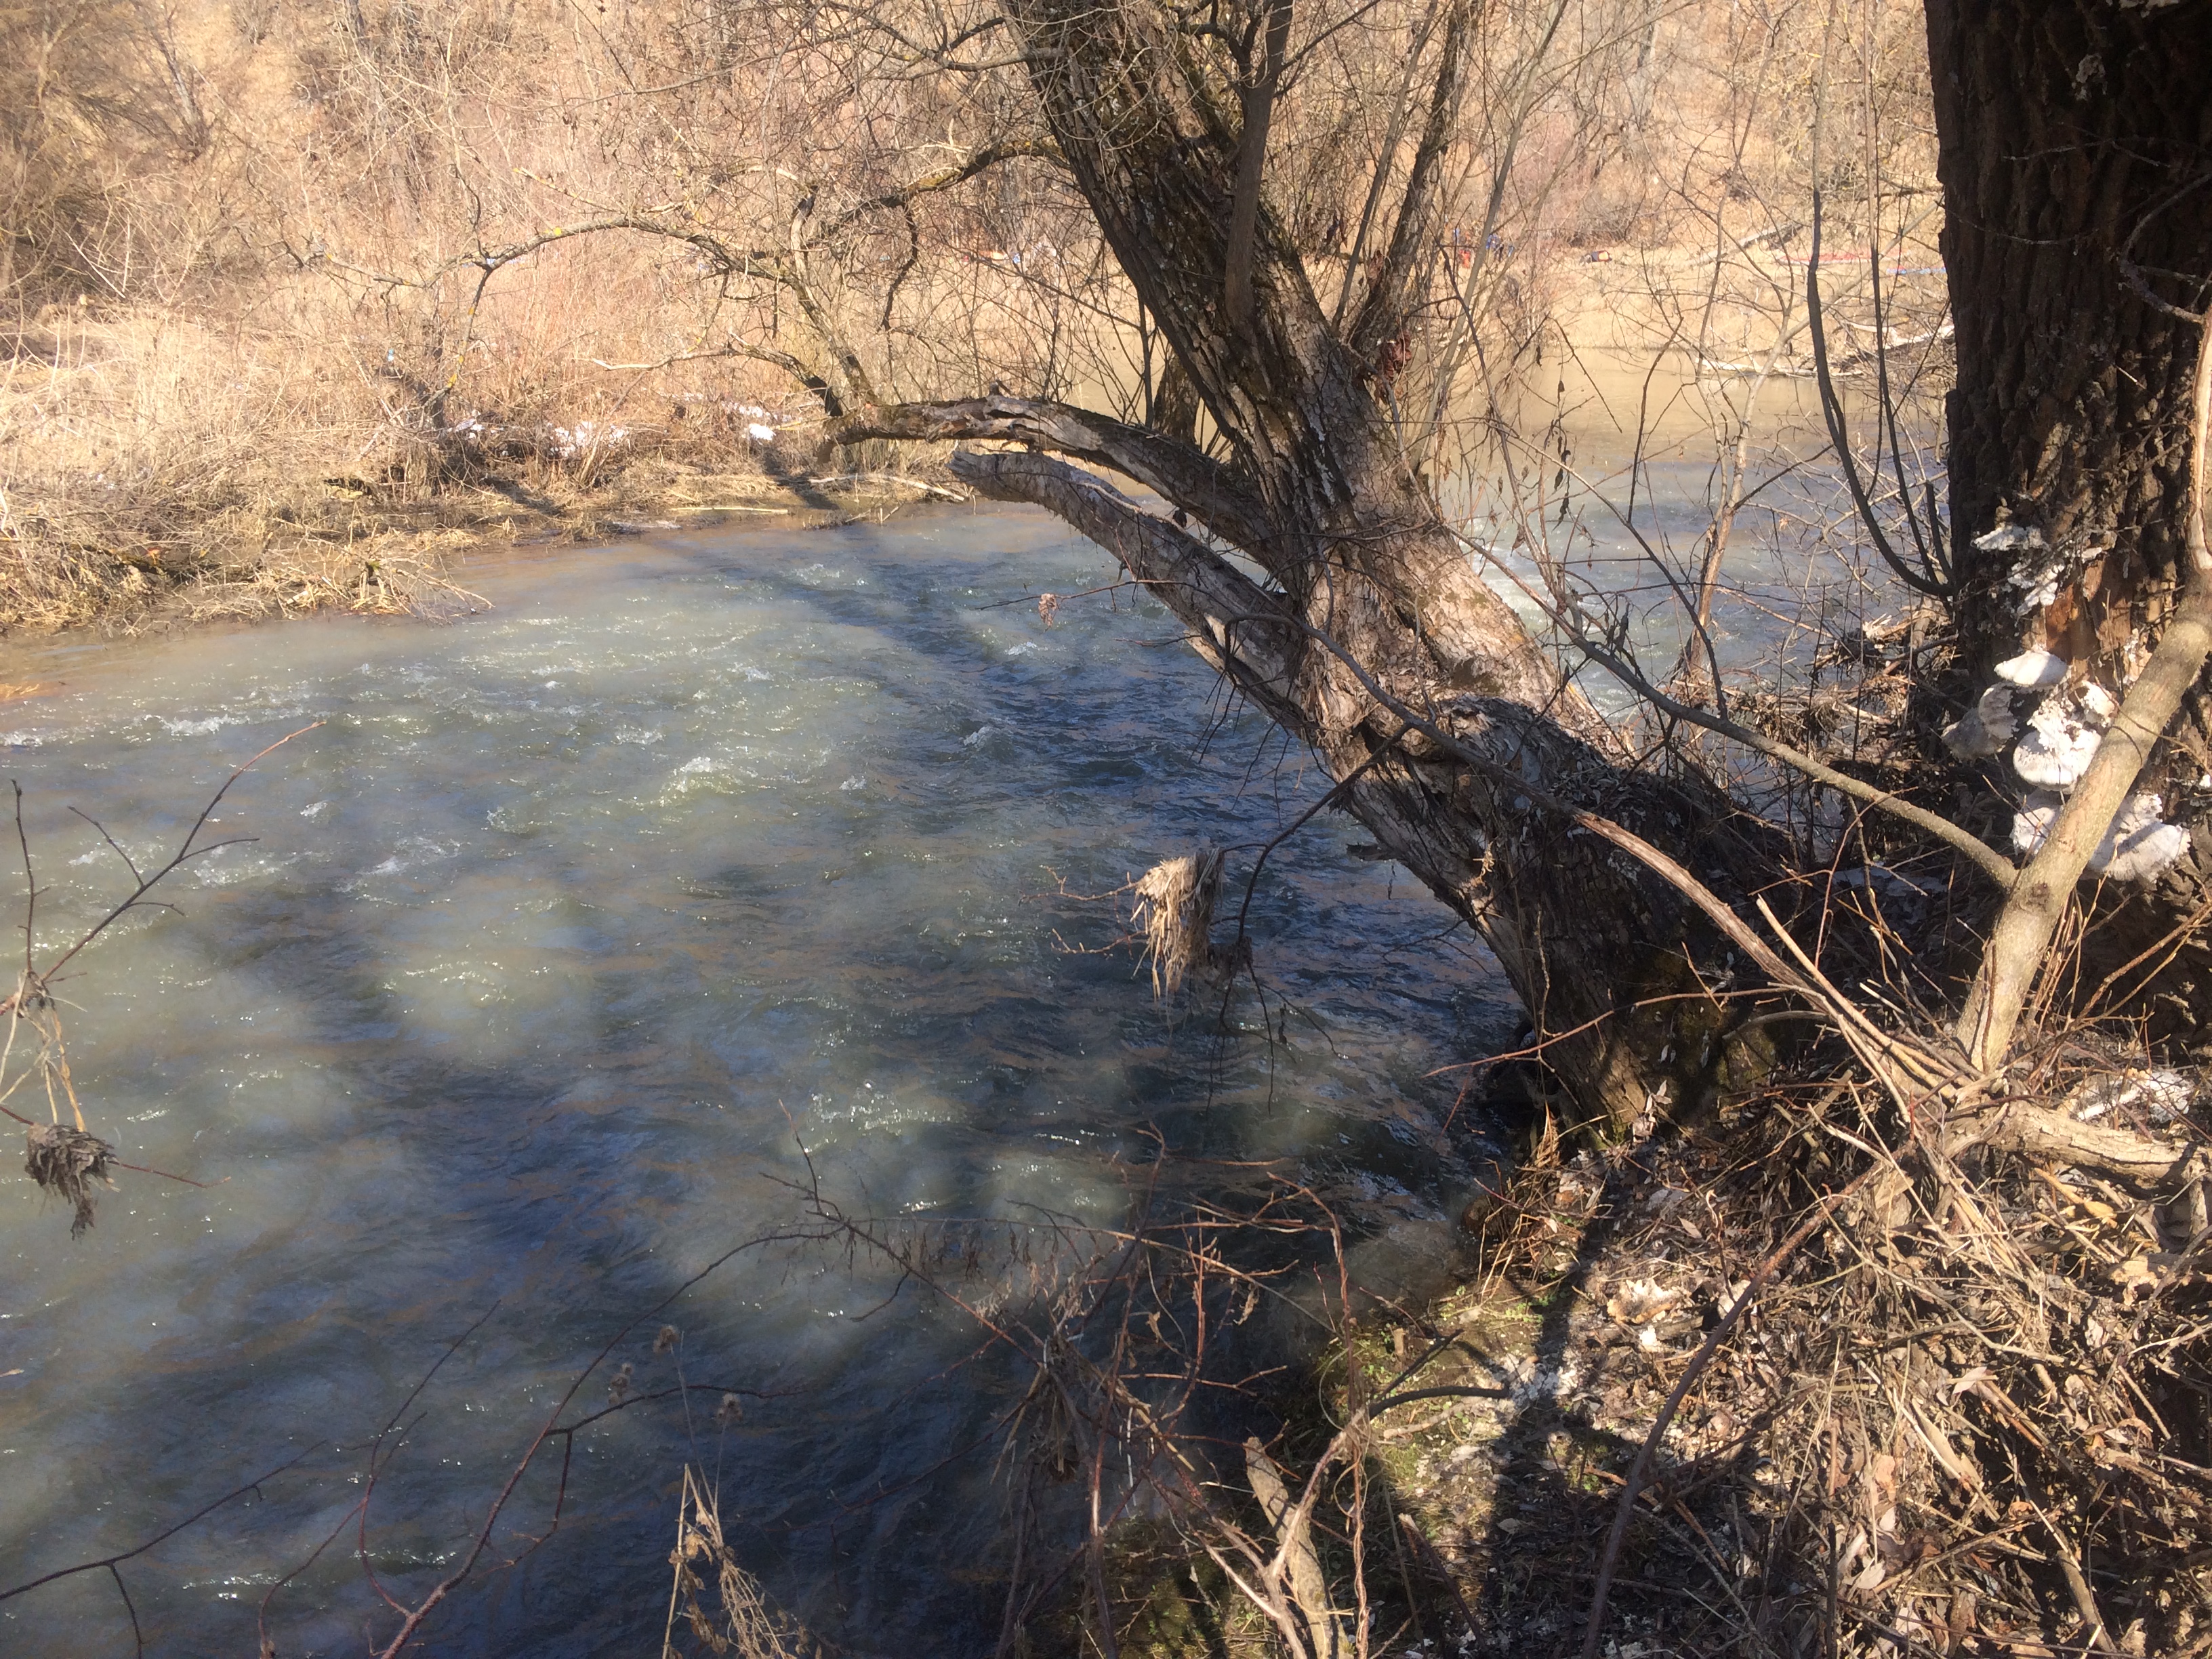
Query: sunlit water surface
(566, 928)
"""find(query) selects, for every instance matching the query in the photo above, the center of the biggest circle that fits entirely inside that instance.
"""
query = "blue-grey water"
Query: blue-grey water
(571, 921)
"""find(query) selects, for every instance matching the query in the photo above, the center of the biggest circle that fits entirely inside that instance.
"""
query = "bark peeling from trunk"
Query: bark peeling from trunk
(2074, 146)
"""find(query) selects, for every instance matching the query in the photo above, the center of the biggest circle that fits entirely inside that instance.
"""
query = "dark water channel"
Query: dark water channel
(571, 919)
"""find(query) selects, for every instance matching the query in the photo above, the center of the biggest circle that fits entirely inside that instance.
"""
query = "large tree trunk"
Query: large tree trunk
(1368, 621)
(2075, 154)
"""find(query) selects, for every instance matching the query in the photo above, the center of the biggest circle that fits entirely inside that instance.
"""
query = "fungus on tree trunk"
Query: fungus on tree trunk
(1361, 626)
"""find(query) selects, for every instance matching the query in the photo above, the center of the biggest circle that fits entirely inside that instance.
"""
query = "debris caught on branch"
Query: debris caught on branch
(1175, 918)
(68, 1163)
(67, 1160)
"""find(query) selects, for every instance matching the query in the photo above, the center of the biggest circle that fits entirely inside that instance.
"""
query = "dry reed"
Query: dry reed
(722, 1605)
(1174, 916)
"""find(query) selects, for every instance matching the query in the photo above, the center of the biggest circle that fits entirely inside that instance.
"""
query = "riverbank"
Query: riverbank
(1786, 1382)
(162, 471)
(401, 545)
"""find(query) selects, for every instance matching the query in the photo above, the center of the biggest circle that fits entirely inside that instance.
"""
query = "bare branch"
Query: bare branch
(1414, 238)
(186, 851)
(942, 179)
(1180, 471)
(1257, 96)
(1930, 580)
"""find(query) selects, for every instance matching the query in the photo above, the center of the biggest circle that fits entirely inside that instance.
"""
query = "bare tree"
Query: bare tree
(1322, 579)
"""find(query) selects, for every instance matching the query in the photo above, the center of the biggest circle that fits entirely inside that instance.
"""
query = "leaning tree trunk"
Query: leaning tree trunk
(2075, 155)
(1454, 737)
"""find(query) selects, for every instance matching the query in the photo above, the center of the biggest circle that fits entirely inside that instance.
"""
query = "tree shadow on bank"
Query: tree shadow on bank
(1489, 1474)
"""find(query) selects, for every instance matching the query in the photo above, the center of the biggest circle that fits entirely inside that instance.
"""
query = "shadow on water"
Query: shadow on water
(796, 479)
(563, 932)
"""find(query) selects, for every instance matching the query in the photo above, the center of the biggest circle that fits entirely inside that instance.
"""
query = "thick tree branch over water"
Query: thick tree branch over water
(1183, 473)
(1373, 629)
(1317, 494)
(1236, 625)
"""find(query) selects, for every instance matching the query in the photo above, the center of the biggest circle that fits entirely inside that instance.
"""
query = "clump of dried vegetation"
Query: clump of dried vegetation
(721, 1607)
(66, 1160)
(70, 1163)
(1173, 910)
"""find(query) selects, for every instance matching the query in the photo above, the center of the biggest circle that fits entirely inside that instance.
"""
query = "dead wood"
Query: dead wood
(1310, 1592)
(2144, 1164)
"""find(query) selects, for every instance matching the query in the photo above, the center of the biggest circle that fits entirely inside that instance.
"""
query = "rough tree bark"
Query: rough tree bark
(1355, 619)
(2075, 155)
(1366, 608)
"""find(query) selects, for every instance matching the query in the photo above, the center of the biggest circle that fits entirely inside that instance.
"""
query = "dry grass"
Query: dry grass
(1174, 917)
(718, 1604)
(154, 470)
(156, 466)
(1968, 1416)
(241, 371)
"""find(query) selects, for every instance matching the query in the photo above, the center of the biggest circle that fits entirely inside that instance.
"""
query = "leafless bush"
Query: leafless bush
(67, 1159)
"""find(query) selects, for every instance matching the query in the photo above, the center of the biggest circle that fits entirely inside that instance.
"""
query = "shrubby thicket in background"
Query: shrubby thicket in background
(295, 292)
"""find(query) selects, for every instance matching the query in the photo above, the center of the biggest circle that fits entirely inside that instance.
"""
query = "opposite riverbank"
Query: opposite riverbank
(399, 543)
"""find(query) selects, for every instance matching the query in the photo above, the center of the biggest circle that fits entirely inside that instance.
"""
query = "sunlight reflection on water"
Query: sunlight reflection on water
(552, 941)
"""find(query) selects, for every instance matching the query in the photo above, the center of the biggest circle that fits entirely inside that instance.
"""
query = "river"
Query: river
(554, 940)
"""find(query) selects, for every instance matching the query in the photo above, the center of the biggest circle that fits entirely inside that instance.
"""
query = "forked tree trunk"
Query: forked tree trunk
(1367, 632)
(2075, 155)
(1368, 621)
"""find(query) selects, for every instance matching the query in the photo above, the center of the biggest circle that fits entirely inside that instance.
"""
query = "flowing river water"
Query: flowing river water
(569, 923)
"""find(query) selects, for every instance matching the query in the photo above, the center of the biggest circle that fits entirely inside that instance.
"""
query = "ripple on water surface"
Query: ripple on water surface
(551, 942)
